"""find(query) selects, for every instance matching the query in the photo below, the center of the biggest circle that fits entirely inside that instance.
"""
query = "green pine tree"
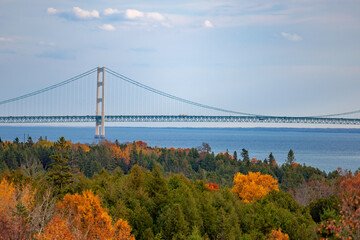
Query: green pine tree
(59, 175)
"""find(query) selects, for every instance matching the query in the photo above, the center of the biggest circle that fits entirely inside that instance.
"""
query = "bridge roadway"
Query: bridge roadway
(179, 118)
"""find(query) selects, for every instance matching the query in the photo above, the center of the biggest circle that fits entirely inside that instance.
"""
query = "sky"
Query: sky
(281, 57)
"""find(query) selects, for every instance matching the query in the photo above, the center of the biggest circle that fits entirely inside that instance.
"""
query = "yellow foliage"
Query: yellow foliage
(45, 143)
(10, 196)
(253, 186)
(278, 235)
(27, 196)
(7, 197)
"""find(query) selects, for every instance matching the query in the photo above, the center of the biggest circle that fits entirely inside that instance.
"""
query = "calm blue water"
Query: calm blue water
(326, 149)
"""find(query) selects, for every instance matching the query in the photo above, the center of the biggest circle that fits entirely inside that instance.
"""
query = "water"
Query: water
(326, 149)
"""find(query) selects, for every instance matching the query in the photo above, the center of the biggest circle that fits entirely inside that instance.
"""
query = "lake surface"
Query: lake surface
(326, 149)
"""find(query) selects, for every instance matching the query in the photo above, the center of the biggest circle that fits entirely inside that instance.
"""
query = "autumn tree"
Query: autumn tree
(212, 186)
(60, 175)
(83, 217)
(16, 204)
(253, 186)
(347, 226)
(278, 235)
(57, 229)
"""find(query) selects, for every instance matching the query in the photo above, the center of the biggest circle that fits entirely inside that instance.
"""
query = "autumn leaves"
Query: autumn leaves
(82, 217)
(253, 186)
(76, 217)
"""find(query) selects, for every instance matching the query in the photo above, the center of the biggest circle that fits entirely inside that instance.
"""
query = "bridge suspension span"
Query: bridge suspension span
(70, 101)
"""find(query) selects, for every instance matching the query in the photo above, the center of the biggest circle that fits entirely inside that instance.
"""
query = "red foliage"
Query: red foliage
(212, 186)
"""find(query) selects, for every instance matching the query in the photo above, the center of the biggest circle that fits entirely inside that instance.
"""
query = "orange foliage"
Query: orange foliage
(124, 154)
(278, 235)
(274, 163)
(82, 217)
(122, 231)
(294, 164)
(212, 186)
(12, 224)
(254, 161)
(227, 155)
(253, 186)
(7, 198)
(57, 229)
(351, 185)
(117, 153)
(87, 217)
(82, 147)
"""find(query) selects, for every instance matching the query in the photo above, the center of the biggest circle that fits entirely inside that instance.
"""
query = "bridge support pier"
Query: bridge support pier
(100, 119)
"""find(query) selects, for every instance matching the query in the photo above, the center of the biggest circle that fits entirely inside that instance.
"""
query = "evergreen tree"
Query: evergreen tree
(271, 159)
(245, 155)
(59, 175)
(29, 142)
(291, 157)
(235, 156)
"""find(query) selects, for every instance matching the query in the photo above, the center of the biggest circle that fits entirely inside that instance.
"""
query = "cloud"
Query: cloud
(110, 11)
(208, 24)
(292, 37)
(107, 27)
(155, 16)
(75, 14)
(133, 14)
(51, 11)
(5, 39)
(84, 14)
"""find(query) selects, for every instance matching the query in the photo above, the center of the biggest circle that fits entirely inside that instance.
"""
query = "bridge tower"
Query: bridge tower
(100, 119)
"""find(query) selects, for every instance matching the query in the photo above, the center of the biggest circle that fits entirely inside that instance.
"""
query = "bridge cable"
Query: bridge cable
(129, 80)
(337, 114)
(50, 87)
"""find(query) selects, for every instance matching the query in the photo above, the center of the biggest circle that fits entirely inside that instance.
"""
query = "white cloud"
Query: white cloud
(155, 16)
(84, 14)
(208, 24)
(110, 11)
(5, 39)
(107, 27)
(51, 11)
(292, 37)
(133, 14)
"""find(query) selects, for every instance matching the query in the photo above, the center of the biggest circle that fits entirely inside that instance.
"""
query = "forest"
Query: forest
(111, 190)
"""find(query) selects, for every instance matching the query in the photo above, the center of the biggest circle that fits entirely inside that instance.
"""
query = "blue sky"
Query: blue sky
(285, 57)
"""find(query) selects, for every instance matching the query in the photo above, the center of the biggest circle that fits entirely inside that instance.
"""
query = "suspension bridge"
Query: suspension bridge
(73, 101)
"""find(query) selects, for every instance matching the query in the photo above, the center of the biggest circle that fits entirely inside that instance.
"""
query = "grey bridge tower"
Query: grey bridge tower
(100, 119)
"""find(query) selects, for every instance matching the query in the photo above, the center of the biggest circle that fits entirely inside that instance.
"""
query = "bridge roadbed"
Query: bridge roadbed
(180, 118)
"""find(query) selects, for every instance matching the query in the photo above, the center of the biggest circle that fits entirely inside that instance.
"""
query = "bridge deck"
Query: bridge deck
(179, 118)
